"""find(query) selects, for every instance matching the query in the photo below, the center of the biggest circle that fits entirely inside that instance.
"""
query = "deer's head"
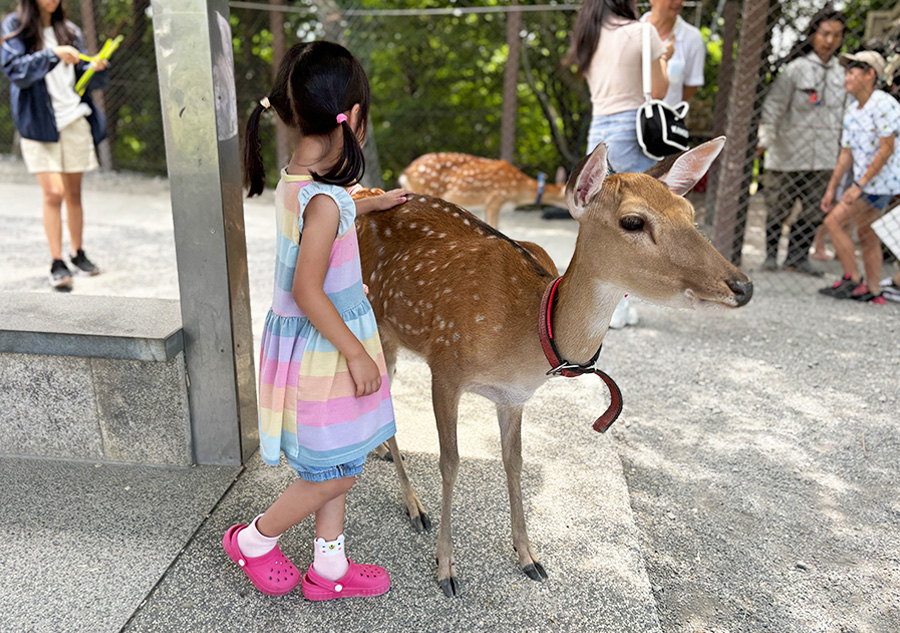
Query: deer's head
(638, 232)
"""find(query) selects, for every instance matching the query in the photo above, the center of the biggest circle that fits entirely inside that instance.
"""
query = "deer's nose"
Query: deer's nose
(743, 291)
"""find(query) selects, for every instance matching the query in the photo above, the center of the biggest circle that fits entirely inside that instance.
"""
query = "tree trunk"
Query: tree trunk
(730, 15)
(510, 85)
(732, 198)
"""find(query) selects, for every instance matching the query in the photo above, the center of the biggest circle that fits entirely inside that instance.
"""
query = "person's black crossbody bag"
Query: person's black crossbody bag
(661, 130)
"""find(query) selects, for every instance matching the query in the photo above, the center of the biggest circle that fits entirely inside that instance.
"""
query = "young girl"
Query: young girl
(323, 390)
(59, 128)
(870, 128)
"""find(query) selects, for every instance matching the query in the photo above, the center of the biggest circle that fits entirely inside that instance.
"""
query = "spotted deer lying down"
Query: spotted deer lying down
(473, 182)
(467, 298)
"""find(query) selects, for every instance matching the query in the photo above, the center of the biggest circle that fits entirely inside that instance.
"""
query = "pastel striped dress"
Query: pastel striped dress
(307, 404)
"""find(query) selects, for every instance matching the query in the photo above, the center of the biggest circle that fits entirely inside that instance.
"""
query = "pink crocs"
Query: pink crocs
(360, 580)
(271, 573)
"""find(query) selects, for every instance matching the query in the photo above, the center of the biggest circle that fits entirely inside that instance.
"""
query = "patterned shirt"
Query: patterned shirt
(863, 129)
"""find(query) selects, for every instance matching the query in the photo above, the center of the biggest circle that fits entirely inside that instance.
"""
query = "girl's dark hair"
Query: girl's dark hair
(316, 82)
(31, 27)
(586, 35)
(805, 46)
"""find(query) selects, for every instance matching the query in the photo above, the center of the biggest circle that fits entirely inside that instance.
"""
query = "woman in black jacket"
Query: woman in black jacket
(59, 129)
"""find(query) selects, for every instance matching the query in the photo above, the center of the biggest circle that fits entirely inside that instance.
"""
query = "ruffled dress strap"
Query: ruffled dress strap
(341, 198)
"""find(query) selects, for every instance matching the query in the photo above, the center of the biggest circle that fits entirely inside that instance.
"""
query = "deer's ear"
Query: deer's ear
(681, 172)
(586, 180)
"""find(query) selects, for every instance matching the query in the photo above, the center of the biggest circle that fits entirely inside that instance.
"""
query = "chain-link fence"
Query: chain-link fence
(440, 76)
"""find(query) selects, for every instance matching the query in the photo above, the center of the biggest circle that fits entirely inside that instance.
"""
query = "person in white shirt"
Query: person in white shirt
(685, 66)
(868, 153)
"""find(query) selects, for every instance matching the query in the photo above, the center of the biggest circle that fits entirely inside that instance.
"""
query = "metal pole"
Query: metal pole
(196, 79)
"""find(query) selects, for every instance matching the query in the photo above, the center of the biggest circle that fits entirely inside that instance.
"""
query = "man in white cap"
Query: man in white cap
(867, 148)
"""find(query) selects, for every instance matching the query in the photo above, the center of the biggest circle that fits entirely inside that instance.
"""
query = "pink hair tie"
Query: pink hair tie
(341, 118)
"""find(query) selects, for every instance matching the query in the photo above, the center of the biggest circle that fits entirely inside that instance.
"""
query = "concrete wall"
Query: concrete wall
(96, 378)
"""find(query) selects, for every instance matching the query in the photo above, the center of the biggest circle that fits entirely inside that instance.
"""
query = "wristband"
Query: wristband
(858, 184)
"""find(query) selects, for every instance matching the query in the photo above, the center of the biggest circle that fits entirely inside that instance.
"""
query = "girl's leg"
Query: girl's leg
(74, 211)
(330, 558)
(870, 245)
(330, 518)
(298, 501)
(53, 191)
(836, 223)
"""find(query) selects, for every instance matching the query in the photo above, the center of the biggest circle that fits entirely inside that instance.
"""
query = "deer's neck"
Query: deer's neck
(583, 310)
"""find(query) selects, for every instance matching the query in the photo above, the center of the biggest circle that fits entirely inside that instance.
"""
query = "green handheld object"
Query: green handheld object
(109, 47)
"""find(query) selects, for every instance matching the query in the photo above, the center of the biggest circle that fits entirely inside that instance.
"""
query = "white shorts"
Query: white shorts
(73, 154)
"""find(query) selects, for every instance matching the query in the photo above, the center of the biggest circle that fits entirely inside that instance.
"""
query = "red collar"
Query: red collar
(562, 367)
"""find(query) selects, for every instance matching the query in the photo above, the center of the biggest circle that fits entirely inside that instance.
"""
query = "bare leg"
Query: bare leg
(74, 211)
(330, 518)
(298, 501)
(870, 245)
(53, 190)
(819, 244)
(837, 222)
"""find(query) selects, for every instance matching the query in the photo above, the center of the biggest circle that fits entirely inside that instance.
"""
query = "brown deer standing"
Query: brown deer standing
(467, 298)
(473, 182)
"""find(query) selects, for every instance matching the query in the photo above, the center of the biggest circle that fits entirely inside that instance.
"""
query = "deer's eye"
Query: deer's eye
(632, 223)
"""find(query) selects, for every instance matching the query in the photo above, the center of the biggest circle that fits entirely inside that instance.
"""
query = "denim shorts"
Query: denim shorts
(877, 201)
(326, 473)
(619, 133)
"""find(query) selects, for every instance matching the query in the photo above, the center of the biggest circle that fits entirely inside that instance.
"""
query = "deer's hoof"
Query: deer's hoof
(535, 571)
(450, 587)
(421, 523)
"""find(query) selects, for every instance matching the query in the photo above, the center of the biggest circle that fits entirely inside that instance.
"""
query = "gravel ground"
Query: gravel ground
(760, 451)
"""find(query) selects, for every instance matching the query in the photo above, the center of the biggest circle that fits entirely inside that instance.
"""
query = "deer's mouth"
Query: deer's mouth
(695, 301)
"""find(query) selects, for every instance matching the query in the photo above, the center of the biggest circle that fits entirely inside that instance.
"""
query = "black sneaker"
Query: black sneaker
(803, 267)
(60, 276)
(841, 289)
(83, 265)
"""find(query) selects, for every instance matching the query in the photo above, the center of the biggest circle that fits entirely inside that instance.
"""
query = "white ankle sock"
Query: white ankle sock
(253, 544)
(330, 560)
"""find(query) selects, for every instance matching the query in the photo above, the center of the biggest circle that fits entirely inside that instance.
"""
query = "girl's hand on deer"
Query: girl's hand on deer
(365, 290)
(391, 199)
(67, 54)
(365, 374)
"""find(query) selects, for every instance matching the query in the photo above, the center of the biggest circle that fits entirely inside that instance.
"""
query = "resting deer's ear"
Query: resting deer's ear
(586, 181)
(681, 172)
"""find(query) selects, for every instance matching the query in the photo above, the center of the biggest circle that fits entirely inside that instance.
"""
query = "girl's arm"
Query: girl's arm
(844, 162)
(24, 68)
(320, 225)
(383, 202)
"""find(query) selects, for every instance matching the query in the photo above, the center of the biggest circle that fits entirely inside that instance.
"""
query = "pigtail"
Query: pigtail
(254, 172)
(352, 164)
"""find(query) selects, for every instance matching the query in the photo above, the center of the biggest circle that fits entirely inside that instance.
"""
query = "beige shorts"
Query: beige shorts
(73, 154)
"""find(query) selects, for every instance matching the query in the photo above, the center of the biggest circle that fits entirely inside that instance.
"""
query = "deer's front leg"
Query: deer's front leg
(446, 401)
(510, 418)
